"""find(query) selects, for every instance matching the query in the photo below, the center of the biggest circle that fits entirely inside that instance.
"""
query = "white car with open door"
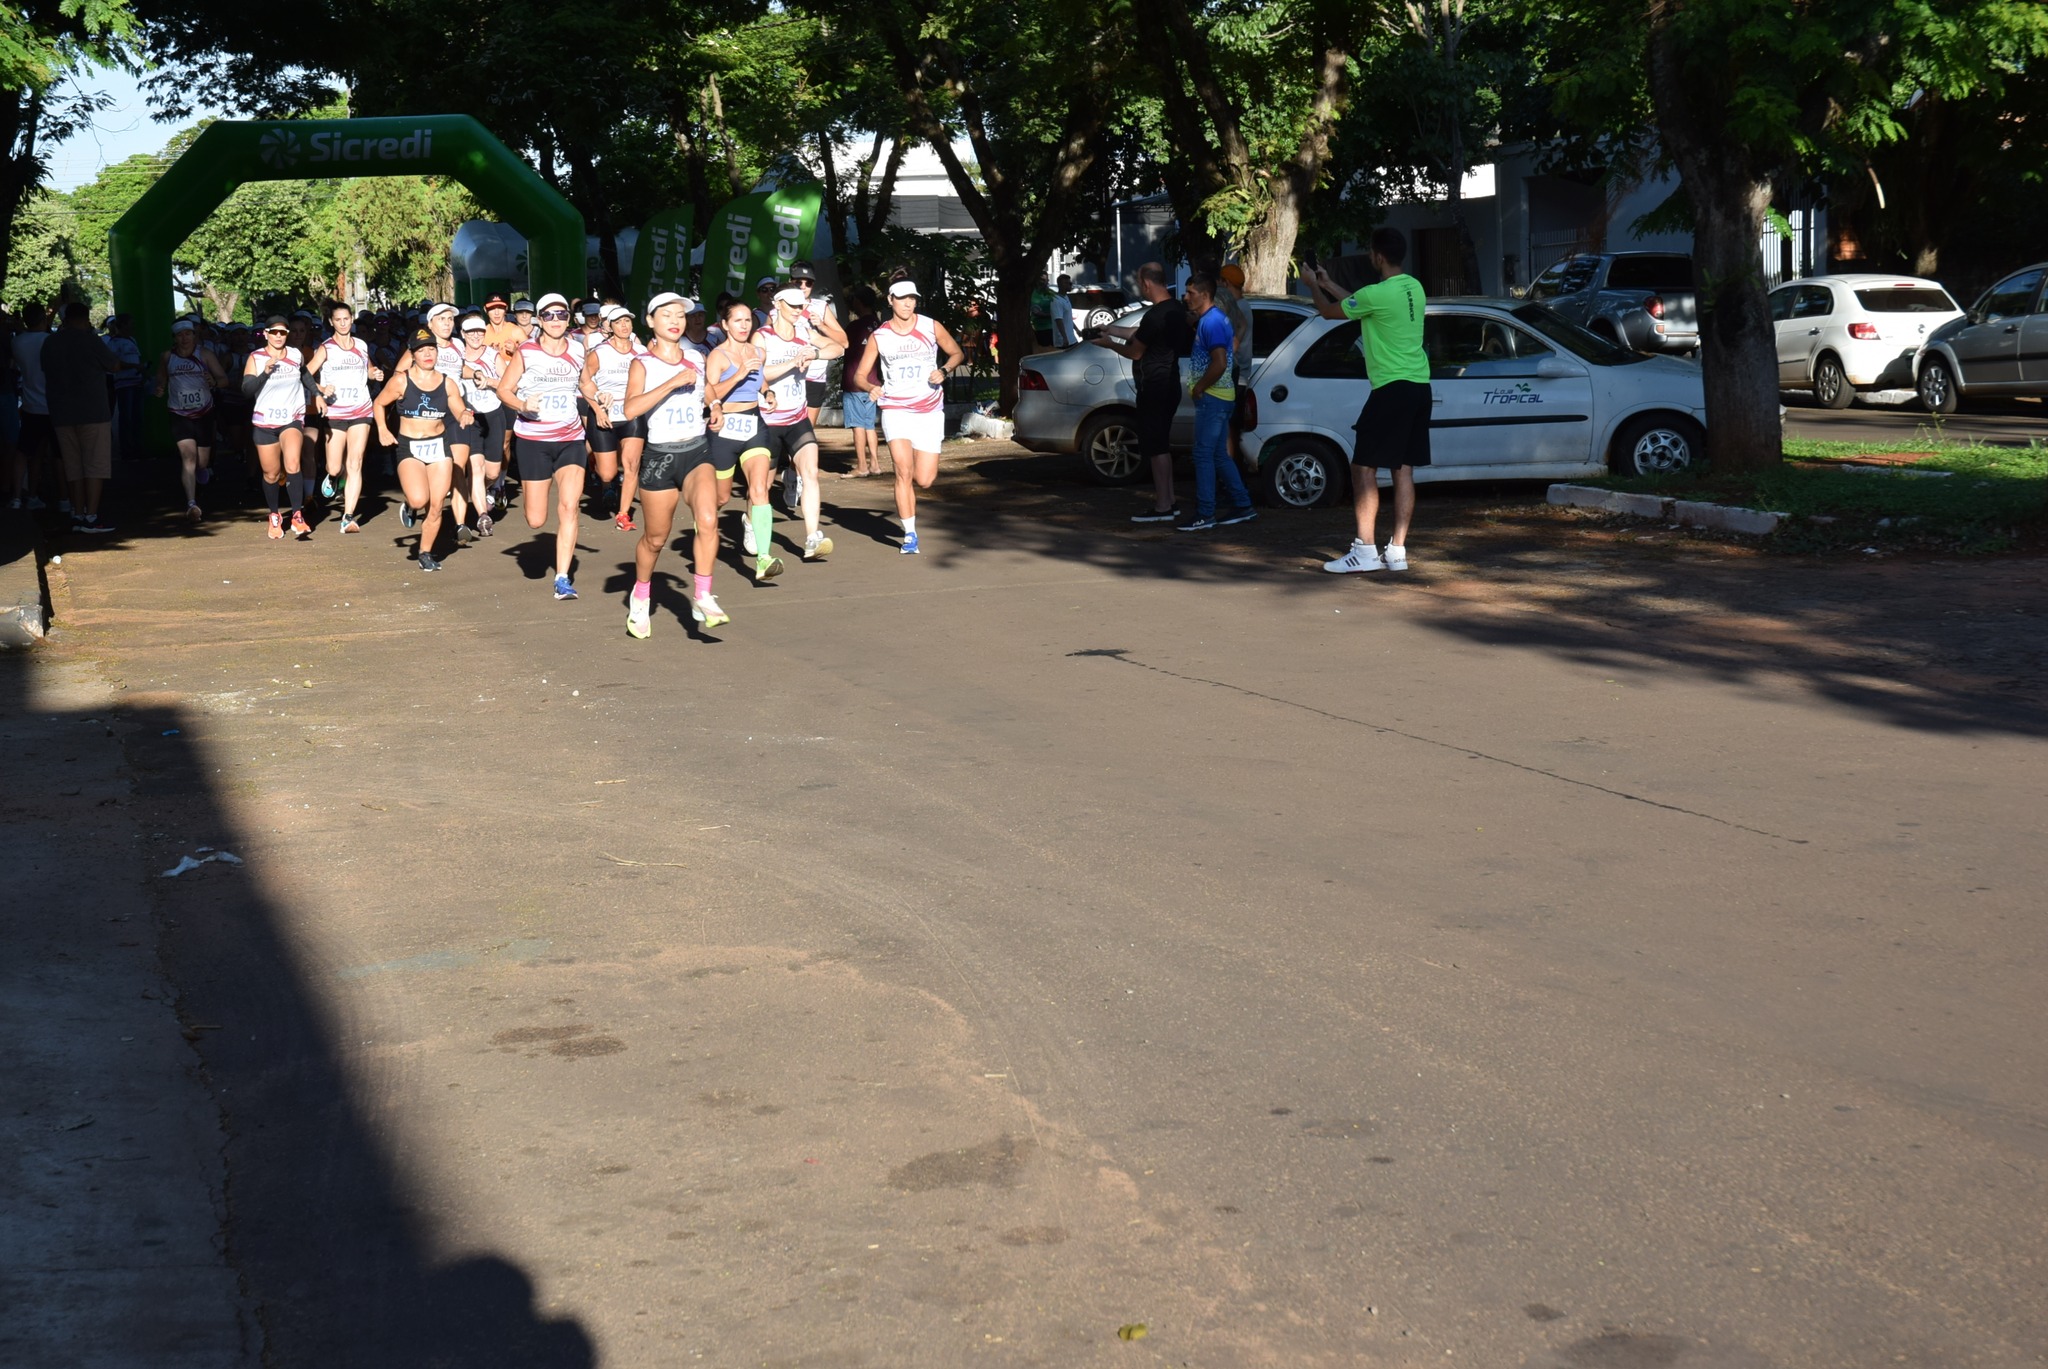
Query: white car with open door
(1519, 394)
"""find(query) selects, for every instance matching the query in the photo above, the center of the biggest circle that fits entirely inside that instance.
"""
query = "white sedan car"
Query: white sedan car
(1519, 394)
(1841, 336)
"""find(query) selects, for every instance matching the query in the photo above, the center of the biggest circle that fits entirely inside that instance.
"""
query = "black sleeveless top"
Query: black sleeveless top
(424, 404)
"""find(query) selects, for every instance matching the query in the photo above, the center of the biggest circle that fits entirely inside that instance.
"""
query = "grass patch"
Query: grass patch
(1992, 499)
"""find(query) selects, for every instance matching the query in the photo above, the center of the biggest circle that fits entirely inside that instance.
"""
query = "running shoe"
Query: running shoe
(625, 521)
(406, 516)
(301, 529)
(463, 536)
(1154, 516)
(1362, 557)
(909, 547)
(1243, 515)
(276, 527)
(349, 524)
(706, 611)
(14, 503)
(1196, 524)
(1396, 558)
(767, 567)
(428, 563)
(638, 616)
(35, 504)
(192, 511)
(327, 487)
(483, 524)
(563, 589)
(94, 525)
(747, 543)
(817, 547)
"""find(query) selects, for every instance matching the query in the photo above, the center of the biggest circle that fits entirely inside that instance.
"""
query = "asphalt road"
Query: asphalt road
(1579, 953)
(2006, 423)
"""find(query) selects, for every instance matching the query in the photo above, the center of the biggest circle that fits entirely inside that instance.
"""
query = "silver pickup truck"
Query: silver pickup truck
(1642, 300)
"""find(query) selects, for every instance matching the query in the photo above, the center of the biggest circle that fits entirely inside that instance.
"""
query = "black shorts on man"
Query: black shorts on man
(1393, 427)
(545, 460)
(1157, 402)
(666, 467)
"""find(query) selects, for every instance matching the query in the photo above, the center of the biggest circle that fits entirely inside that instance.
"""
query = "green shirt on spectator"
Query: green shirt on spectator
(1390, 316)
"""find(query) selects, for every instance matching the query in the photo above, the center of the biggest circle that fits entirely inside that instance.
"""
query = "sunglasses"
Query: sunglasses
(277, 332)
(553, 315)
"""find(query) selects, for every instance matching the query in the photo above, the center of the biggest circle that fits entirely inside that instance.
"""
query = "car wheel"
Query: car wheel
(1831, 384)
(1099, 318)
(1301, 472)
(1658, 444)
(1938, 387)
(1109, 445)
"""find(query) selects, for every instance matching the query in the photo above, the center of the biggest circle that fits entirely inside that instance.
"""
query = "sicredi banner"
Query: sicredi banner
(760, 235)
(661, 259)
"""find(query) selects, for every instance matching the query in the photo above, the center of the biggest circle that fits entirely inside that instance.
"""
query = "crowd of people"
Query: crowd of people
(574, 405)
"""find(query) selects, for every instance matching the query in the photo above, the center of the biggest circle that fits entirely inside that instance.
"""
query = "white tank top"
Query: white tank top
(548, 385)
(282, 401)
(786, 391)
(188, 389)
(481, 394)
(610, 381)
(814, 313)
(907, 361)
(346, 369)
(679, 419)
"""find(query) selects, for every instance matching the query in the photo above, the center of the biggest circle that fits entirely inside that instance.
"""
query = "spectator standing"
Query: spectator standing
(858, 401)
(34, 439)
(1393, 427)
(1155, 346)
(76, 364)
(127, 385)
(1041, 315)
(1230, 299)
(1063, 334)
(1215, 393)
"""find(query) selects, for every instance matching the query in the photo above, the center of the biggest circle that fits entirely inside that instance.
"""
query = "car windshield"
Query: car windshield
(1650, 273)
(1912, 299)
(1574, 339)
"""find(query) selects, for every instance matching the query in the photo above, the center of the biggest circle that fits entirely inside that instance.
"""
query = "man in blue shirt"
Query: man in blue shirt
(1212, 384)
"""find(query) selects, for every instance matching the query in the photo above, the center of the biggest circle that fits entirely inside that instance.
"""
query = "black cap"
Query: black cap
(801, 270)
(422, 338)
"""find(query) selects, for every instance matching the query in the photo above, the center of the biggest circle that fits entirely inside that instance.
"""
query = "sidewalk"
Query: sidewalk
(110, 1211)
(22, 622)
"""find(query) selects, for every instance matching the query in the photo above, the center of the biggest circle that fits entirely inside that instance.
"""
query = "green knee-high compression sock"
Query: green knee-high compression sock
(764, 525)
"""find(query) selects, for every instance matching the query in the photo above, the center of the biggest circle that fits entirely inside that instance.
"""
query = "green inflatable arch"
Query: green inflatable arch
(229, 153)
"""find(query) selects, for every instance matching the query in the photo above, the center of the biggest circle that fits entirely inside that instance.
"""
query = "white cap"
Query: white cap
(671, 297)
(766, 281)
(791, 296)
(441, 309)
(547, 299)
(902, 288)
(591, 306)
(184, 325)
(473, 323)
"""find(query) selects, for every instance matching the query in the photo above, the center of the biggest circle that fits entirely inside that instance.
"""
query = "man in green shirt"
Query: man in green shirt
(1393, 428)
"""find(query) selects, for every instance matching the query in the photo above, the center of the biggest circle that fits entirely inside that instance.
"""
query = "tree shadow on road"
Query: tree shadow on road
(320, 1222)
(1915, 641)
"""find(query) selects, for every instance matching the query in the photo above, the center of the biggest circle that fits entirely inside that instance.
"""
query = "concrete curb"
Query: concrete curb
(22, 619)
(1690, 513)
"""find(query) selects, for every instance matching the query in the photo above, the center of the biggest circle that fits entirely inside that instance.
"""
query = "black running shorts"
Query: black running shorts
(664, 467)
(546, 460)
(197, 429)
(1393, 427)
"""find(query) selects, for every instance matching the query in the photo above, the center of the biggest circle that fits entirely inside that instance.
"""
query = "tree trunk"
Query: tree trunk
(21, 116)
(1014, 284)
(1269, 246)
(1739, 345)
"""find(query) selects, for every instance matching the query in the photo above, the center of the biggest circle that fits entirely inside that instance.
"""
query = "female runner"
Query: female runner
(429, 407)
(734, 384)
(448, 361)
(185, 380)
(790, 352)
(345, 370)
(614, 438)
(911, 396)
(665, 390)
(539, 387)
(481, 366)
(273, 375)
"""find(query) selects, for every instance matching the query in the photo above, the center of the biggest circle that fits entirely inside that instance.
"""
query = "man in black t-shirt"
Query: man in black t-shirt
(1155, 347)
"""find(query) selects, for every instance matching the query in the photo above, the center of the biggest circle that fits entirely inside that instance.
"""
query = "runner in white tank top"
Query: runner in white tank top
(273, 375)
(185, 380)
(348, 376)
(791, 351)
(826, 331)
(665, 390)
(441, 319)
(539, 386)
(482, 364)
(615, 441)
(912, 397)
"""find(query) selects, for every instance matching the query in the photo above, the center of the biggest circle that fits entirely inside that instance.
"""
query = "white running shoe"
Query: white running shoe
(1396, 558)
(747, 543)
(706, 611)
(817, 547)
(1361, 557)
(639, 616)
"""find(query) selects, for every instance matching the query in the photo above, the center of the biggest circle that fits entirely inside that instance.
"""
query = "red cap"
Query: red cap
(496, 302)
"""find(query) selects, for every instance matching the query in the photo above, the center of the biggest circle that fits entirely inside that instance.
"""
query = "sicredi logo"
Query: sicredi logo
(279, 148)
(336, 147)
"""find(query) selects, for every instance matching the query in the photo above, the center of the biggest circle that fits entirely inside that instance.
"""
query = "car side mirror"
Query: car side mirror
(1554, 368)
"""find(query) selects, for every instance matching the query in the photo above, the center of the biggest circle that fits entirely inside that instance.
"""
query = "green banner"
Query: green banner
(760, 235)
(661, 258)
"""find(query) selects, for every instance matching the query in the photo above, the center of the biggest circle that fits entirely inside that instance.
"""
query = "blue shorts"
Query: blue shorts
(859, 409)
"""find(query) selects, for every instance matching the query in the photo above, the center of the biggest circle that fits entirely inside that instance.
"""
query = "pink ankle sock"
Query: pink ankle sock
(703, 585)
(642, 588)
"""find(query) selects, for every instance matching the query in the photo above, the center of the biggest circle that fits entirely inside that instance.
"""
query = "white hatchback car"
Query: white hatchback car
(1841, 336)
(1519, 394)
